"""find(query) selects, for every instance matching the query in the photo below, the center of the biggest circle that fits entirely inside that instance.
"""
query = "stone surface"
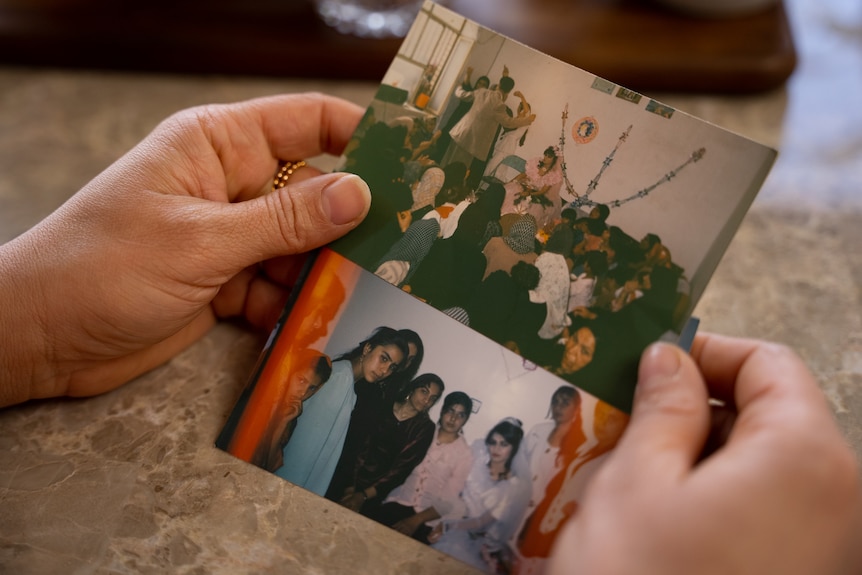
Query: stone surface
(129, 482)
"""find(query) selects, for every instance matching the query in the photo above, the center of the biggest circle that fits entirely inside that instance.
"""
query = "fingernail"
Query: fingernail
(345, 199)
(661, 361)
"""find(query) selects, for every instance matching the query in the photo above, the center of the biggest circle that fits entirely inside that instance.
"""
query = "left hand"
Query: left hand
(145, 258)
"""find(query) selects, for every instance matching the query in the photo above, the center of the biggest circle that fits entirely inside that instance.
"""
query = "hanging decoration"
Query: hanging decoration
(584, 131)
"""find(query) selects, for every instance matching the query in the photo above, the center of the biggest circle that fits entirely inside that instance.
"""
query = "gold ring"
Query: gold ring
(285, 170)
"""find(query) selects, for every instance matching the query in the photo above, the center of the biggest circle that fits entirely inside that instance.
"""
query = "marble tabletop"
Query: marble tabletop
(129, 482)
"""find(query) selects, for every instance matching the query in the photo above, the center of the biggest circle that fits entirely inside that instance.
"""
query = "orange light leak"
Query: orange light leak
(322, 298)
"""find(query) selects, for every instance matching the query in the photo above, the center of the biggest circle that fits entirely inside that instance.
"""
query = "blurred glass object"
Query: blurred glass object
(369, 18)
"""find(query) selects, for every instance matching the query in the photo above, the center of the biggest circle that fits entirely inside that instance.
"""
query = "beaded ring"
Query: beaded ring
(285, 170)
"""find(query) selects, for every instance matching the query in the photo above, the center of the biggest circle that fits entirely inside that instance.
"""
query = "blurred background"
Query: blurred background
(689, 45)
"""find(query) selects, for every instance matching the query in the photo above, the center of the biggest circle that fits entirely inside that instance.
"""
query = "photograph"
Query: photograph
(399, 412)
(562, 216)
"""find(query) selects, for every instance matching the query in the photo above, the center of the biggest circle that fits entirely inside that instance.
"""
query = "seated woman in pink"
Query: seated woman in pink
(537, 190)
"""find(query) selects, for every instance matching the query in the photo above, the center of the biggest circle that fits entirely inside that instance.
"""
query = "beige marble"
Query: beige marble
(130, 482)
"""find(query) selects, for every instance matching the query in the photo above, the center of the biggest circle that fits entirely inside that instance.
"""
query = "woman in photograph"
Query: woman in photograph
(548, 447)
(564, 491)
(492, 502)
(312, 370)
(373, 399)
(553, 288)
(415, 507)
(537, 190)
(397, 445)
(315, 446)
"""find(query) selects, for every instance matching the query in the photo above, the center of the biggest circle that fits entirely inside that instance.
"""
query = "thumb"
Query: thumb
(670, 417)
(297, 218)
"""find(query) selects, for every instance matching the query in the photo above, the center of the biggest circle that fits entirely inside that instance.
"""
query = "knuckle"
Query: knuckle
(291, 220)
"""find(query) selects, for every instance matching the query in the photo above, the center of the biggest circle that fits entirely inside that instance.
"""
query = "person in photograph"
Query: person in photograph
(454, 266)
(500, 307)
(396, 446)
(536, 191)
(474, 134)
(315, 447)
(517, 245)
(579, 347)
(404, 257)
(583, 284)
(492, 502)
(563, 493)
(509, 139)
(415, 507)
(548, 446)
(553, 288)
(373, 399)
(438, 149)
(313, 369)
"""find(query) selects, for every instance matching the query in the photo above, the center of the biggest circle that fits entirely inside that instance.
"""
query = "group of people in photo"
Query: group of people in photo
(360, 434)
(560, 285)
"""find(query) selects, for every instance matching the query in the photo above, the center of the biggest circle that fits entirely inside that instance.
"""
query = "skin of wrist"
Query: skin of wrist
(24, 349)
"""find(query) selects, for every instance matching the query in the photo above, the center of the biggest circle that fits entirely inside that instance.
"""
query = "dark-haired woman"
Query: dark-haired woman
(396, 446)
(315, 447)
(492, 502)
(415, 507)
(373, 399)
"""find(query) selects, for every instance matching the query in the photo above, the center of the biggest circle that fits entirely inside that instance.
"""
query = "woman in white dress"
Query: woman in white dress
(492, 502)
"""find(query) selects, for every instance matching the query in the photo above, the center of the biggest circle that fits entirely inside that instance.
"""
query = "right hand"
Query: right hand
(781, 496)
(408, 525)
(436, 533)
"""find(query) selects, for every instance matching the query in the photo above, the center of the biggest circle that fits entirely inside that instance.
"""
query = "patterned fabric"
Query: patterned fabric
(553, 289)
(413, 246)
(427, 188)
(437, 481)
(522, 235)
(458, 314)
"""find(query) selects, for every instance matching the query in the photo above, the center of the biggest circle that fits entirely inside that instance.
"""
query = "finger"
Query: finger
(723, 361)
(288, 221)
(285, 271)
(775, 391)
(302, 125)
(252, 296)
(720, 359)
(670, 417)
(249, 138)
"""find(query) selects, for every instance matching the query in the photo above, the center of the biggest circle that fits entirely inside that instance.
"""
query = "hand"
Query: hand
(409, 525)
(353, 500)
(145, 258)
(779, 497)
(436, 533)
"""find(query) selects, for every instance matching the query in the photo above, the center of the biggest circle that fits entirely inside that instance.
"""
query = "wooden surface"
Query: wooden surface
(630, 42)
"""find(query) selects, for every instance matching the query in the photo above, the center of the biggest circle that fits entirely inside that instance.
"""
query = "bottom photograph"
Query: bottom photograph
(381, 403)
